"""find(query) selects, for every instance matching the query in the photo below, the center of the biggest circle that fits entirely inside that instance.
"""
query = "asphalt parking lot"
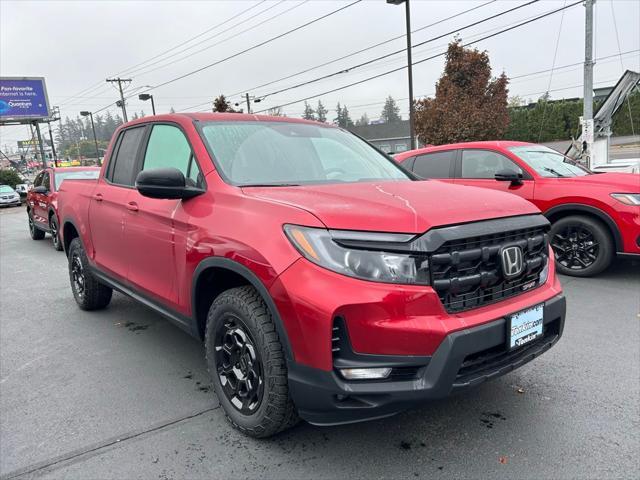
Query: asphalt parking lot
(122, 393)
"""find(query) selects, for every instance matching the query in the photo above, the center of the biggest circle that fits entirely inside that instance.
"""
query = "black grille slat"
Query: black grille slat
(467, 273)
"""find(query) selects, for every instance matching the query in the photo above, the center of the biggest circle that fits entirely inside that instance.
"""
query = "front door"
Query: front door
(157, 229)
(478, 168)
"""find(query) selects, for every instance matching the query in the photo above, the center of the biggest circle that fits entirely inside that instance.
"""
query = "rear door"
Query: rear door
(438, 165)
(478, 167)
(108, 206)
(157, 229)
(41, 201)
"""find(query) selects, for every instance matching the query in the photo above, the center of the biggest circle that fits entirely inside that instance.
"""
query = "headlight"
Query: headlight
(364, 255)
(632, 199)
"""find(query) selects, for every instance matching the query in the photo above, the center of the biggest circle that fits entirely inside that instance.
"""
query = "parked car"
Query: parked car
(326, 282)
(42, 200)
(9, 197)
(22, 189)
(593, 216)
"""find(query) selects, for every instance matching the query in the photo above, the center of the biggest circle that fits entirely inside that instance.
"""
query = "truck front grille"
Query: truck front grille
(467, 273)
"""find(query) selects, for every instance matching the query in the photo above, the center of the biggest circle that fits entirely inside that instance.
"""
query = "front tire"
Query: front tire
(247, 365)
(35, 232)
(583, 246)
(55, 234)
(89, 293)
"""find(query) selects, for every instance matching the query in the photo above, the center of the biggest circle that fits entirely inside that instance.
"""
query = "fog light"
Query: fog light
(365, 373)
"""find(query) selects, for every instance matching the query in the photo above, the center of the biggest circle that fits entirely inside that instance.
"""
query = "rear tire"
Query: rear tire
(89, 293)
(35, 232)
(55, 234)
(582, 245)
(247, 364)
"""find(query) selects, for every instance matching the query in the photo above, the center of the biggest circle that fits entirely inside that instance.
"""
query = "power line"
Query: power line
(381, 57)
(99, 85)
(553, 65)
(127, 70)
(361, 50)
(426, 59)
(142, 71)
(253, 47)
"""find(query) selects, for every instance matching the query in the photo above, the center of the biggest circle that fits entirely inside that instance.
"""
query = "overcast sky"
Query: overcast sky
(76, 45)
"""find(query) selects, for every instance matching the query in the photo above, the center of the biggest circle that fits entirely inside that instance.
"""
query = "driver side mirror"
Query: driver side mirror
(41, 189)
(165, 183)
(508, 175)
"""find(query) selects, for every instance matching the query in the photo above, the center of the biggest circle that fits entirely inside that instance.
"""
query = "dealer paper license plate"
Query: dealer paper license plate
(525, 326)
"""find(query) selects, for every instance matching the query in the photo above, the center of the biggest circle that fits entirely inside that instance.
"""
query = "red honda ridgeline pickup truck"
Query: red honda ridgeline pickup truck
(326, 281)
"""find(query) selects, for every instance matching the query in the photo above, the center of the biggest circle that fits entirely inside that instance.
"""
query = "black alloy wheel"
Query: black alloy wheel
(583, 246)
(576, 247)
(35, 232)
(55, 235)
(239, 365)
(78, 279)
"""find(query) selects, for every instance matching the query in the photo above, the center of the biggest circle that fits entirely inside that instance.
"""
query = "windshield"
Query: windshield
(76, 175)
(6, 189)
(548, 162)
(283, 153)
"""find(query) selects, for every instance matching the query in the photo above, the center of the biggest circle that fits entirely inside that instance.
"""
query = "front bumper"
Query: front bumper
(465, 358)
(10, 203)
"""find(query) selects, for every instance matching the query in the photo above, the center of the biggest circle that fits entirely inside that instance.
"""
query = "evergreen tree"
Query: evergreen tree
(390, 112)
(363, 120)
(220, 104)
(171, 110)
(321, 112)
(343, 119)
(309, 112)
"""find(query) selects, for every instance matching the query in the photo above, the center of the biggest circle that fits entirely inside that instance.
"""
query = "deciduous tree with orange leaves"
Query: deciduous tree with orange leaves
(469, 104)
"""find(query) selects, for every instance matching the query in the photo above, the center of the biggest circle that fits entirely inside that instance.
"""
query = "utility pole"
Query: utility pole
(53, 145)
(587, 114)
(248, 103)
(120, 81)
(44, 159)
(409, 68)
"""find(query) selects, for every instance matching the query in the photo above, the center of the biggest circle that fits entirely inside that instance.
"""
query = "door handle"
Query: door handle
(97, 197)
(132, 206)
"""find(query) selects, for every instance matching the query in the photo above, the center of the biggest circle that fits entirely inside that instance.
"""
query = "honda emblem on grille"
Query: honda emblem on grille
(512, 261)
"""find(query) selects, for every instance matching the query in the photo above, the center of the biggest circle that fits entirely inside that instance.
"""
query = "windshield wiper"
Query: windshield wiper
(270, 185)
(556, 173)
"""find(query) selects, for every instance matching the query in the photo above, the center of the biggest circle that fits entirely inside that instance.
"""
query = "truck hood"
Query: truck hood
(616, 182)
(395, 206)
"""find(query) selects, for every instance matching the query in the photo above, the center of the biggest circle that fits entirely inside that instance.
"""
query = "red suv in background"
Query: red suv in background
(592, 216)
(42, 200)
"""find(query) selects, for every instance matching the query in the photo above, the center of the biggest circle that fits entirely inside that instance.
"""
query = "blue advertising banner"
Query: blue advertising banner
(23, 98)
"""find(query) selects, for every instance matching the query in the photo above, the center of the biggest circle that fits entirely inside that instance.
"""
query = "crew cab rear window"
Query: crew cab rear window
(124, 162)
(435, 165)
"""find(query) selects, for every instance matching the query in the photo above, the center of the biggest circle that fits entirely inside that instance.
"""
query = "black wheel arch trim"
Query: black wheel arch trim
(228, 264)
(64, 240)
(603, 216)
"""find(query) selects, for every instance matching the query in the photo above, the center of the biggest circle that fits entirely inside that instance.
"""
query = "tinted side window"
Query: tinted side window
(485, 164)
(168, 147)
(46, 180)
(38, 180)
(125, 159)
(435, 165)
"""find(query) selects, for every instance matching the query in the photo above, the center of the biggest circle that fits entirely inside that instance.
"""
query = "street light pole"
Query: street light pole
(147, 96)
(95, 139)
(409, 68)
(587, 115)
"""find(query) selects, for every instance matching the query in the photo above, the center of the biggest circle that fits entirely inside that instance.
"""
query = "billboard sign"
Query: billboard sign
(23, 98)
(26, 144)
